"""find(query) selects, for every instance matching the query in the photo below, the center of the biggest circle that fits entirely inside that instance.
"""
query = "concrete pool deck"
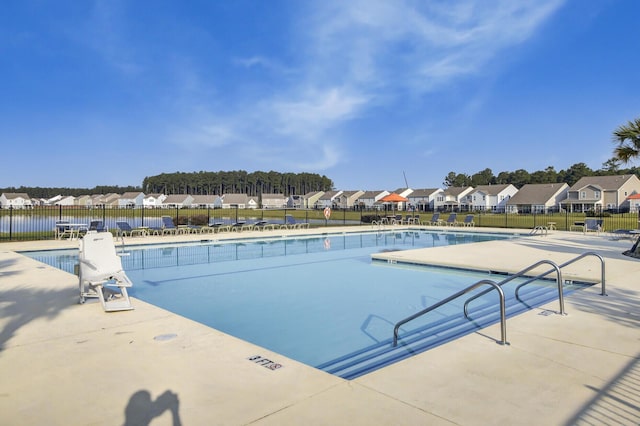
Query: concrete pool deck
(63, 363)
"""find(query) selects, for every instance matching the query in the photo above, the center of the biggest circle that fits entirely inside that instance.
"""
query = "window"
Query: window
(583, 195)
(596, 195)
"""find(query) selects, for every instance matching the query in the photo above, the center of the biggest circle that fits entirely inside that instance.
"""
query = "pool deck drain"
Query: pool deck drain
(64, 363)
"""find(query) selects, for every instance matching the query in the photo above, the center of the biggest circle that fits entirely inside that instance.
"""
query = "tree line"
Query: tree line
(236, 182)
(521, 177)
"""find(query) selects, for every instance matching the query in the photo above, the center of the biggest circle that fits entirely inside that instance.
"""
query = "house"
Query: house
(67, 200)
(273, 201)
(492, 198)
(424, 199)
(634, 203)
(453, 198)
(207, 201)
(153, 200)
(53, 200)
(369, 199)
(15, 200)
(178, 201)
(83, 201)
(538, 198)
(598, 193)
(347, 199)
(240, 201)
(107, 200)
(310, 199)
(131, 199)
(327, 199)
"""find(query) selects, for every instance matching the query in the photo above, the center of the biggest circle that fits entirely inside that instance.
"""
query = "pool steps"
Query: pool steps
(435, 333)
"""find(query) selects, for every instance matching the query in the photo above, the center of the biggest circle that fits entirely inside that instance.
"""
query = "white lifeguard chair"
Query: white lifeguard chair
(100, 272)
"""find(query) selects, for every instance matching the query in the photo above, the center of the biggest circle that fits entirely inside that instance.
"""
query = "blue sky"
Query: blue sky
(362, 91)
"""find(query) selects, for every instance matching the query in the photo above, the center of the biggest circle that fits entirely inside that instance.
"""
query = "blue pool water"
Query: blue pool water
(320, 300)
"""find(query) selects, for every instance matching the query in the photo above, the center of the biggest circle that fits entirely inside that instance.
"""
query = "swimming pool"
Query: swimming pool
(321, 299)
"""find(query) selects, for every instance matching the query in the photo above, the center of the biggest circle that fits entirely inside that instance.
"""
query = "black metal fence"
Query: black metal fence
(39, 223)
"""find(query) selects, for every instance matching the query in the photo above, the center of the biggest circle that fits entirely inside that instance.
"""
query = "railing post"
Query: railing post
(10, 222)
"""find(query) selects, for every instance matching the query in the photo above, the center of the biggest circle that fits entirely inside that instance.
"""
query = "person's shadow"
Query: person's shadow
(141, 409)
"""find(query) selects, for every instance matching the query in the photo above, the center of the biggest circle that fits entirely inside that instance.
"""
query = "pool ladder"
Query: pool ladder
(498, 288)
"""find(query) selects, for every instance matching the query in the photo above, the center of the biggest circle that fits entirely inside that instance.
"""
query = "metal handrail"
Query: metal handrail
(503, 321)
(602, 269)
(559, 279)
(521, 273)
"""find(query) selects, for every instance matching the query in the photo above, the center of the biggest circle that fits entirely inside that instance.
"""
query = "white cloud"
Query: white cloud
(357, 55)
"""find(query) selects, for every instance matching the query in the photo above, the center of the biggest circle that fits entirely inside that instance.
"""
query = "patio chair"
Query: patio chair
(435, 220)
(98, 226)
(452, 219)
(101, 274)
(124, 228)
(168, 227)
(290, 222)
(593, 225)
(468, 221)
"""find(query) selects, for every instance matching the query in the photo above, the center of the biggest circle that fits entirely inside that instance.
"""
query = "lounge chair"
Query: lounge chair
(101, 274)
(468, 221)
(435, 220)
(290, 222)
(168, 227)
(452, 219)
(593, 225)
(124, 228)
(98, 226)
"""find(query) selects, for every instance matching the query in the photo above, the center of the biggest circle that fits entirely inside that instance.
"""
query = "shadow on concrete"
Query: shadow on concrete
(621, 305)
(20, 306)
(617, 403)
(141, 409)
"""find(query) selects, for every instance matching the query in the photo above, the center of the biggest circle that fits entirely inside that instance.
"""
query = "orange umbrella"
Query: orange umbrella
(393, 198)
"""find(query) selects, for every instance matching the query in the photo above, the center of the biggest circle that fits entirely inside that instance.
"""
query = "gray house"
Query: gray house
(347, 199)
(598, 193)
(368, 199)
(538, 198)
(424, 199)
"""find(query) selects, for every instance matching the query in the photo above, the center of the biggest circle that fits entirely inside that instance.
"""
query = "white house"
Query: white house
(67, 200)
(453, 198)
(131, 199)
(273, 201)
(327, 199)
(207, 201)
(538, 198)
(153, 200)
(491, 198)
(15, 200)
(178, 201)
(634, 203)
(241, 201)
